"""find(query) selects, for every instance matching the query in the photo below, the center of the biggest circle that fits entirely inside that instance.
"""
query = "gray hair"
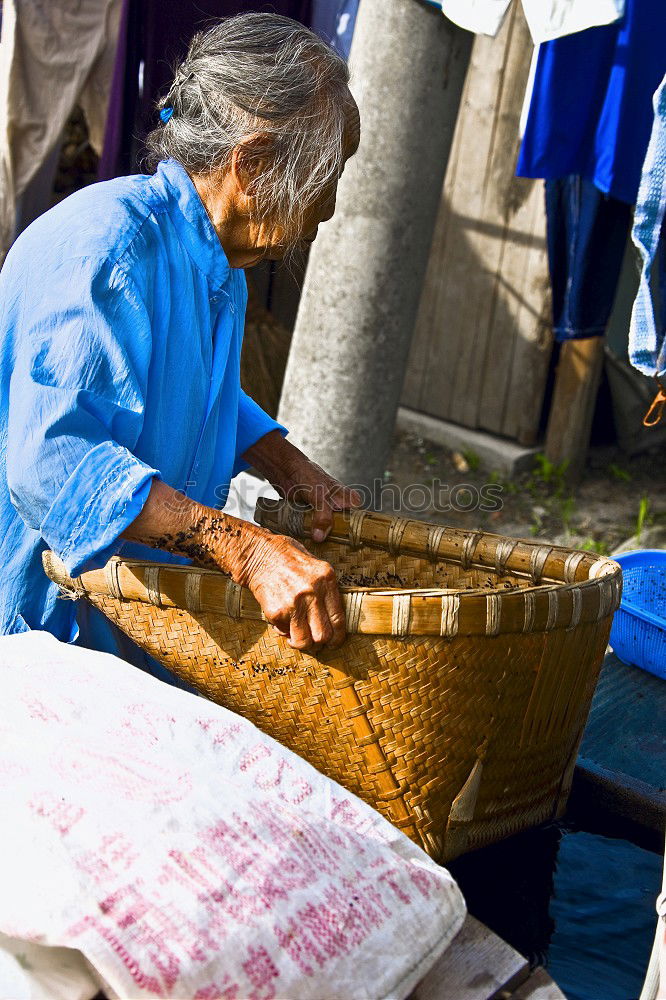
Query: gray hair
(266, 78)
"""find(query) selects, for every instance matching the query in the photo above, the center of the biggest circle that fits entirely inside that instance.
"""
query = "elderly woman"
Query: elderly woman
(121, 321)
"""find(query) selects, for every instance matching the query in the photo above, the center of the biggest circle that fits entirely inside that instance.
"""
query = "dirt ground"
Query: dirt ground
(618, 497)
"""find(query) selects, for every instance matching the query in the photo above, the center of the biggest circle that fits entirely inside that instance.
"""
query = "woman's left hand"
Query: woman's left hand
(308, 483)
(299, 479)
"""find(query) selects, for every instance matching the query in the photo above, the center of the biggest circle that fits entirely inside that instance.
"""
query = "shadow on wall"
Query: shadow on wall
(483, 340)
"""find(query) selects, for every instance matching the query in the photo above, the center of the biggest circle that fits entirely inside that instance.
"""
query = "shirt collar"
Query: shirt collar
(191, 220)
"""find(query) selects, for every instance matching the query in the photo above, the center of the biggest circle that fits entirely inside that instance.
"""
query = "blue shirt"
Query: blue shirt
(121, 325)
(591, 106)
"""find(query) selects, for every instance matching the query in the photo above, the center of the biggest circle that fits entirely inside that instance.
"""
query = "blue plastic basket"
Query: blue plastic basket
(638, 635)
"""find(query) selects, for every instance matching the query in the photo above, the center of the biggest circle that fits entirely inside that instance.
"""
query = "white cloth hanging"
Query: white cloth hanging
(546, 19)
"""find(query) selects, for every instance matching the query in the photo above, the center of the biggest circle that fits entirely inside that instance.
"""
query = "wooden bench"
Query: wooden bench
(478, 965)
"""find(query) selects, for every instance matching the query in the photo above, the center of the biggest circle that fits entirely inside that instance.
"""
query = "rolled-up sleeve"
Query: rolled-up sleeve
(77, 398)
(253, 423)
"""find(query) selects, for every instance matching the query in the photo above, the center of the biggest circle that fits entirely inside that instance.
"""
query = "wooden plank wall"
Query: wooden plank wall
(482, 341)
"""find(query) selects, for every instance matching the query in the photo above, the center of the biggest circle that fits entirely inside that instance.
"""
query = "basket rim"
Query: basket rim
(589, 589)
(471, 548)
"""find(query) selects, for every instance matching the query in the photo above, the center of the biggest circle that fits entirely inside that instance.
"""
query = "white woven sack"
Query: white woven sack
(185, 854)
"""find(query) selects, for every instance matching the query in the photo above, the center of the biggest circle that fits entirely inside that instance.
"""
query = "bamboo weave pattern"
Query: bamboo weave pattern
(457, 703)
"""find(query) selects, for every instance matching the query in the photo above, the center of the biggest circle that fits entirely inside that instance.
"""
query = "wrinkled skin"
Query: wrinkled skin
(246, 237)
(297, 592)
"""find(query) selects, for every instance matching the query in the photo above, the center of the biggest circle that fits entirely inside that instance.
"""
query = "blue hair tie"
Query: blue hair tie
(165, 114)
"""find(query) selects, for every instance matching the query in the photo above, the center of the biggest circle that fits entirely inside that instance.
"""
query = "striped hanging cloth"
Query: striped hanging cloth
(647, 338)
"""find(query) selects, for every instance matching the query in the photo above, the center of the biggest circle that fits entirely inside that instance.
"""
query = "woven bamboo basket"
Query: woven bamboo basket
(458, 700)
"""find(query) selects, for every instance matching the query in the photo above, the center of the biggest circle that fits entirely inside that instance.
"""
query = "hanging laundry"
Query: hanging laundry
(586, 238)
(591, 106)
(334, 21)
(647, 332)
(586, 133)
(51, 57)
(154, 36)
(546, 18)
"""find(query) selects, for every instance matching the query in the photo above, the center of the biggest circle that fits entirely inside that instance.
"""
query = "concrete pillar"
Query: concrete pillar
(361, 294)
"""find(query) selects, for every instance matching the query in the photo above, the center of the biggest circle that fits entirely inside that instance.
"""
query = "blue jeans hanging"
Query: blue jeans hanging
(586, 235)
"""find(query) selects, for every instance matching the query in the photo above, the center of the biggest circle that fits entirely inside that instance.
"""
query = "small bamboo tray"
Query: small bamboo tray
(456, 704)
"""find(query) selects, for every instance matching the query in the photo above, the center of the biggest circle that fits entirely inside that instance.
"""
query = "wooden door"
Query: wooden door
(482, 341)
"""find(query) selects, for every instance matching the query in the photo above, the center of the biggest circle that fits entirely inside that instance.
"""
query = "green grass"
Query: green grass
(643, 517)
(617, 472)
(598, 546)
(549, 474)
(472, 460)
(567, 508)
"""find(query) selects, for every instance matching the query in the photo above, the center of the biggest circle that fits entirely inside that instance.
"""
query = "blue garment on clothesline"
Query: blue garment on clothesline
(591, 106)
(586, 239)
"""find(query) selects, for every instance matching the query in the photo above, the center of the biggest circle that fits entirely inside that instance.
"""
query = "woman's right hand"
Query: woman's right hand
(298, 593)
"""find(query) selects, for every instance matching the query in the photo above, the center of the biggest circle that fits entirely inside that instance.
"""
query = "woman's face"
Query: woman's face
(272, 240)
(247, 240)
